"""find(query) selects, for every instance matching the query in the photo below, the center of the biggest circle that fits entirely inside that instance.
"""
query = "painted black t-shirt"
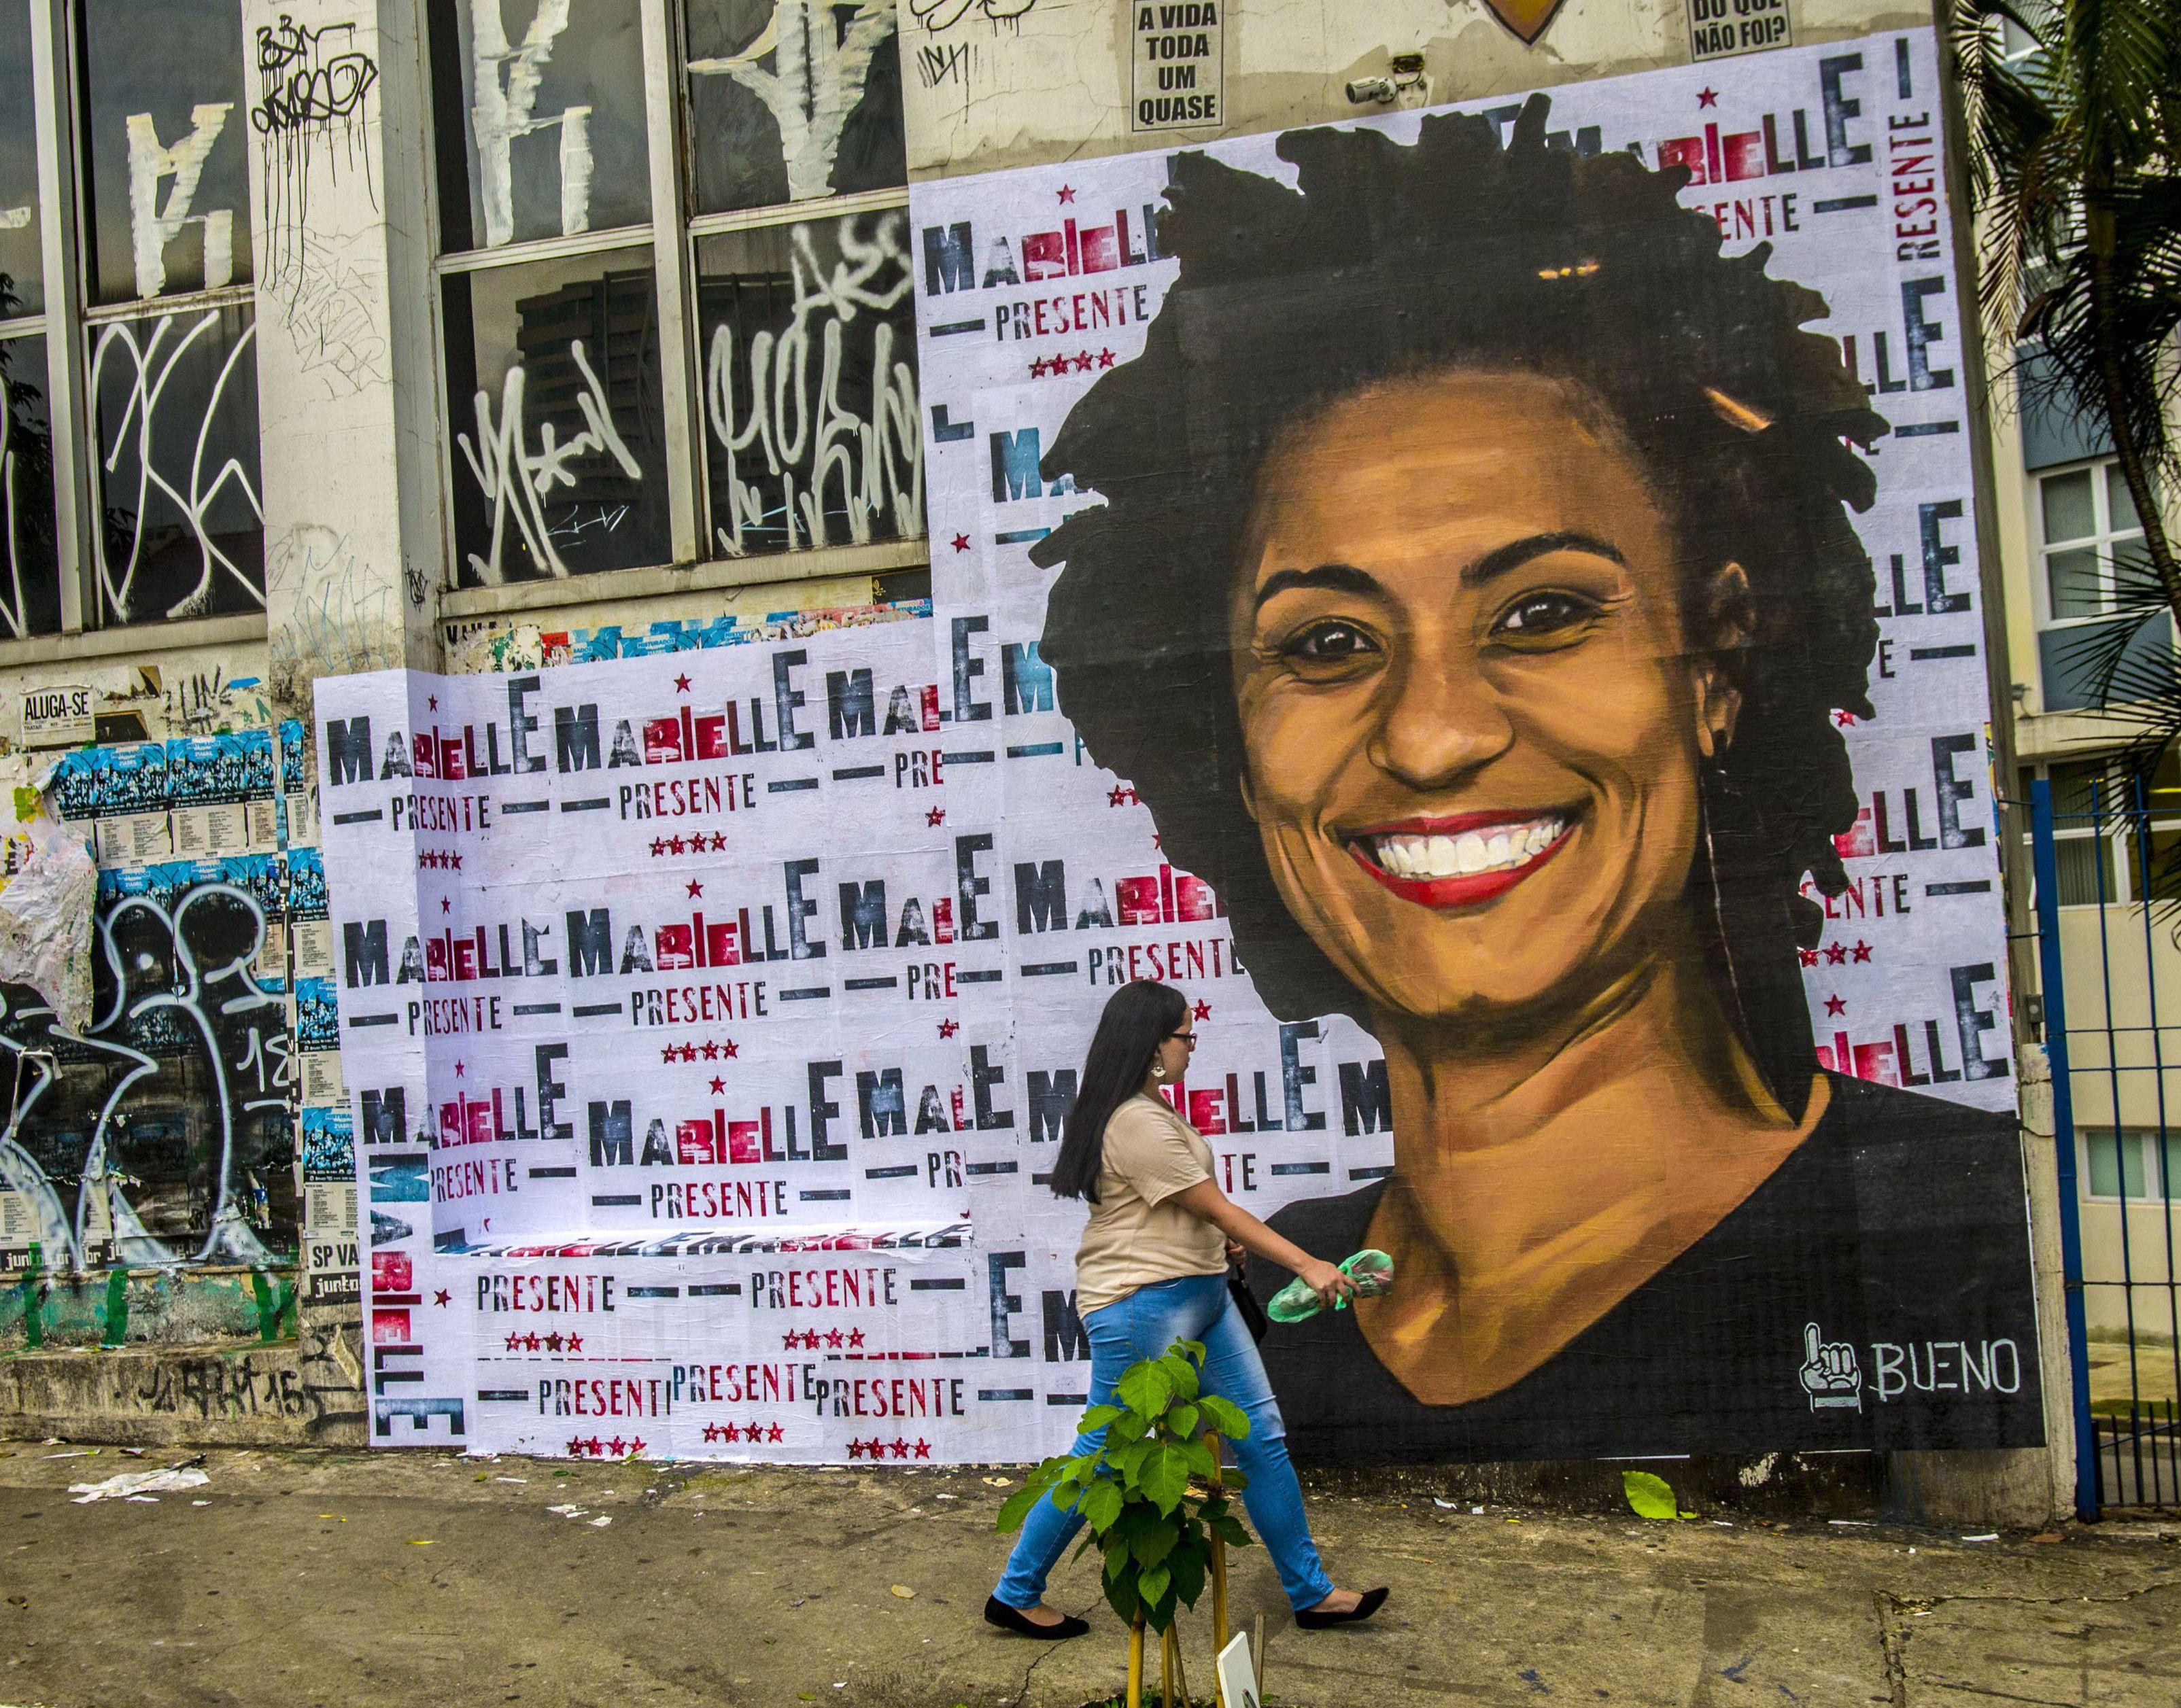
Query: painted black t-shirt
(1898, 1228)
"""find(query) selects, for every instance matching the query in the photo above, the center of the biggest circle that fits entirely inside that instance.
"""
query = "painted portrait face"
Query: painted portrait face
(1471, 714)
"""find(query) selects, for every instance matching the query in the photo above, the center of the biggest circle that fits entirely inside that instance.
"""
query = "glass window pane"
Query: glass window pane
(2086, 867)
(560, 463)
(2120, 503)
(539, 110)
(833, 456)
(175, 400)
(791, 99)
(2115, 1160)
(167, 129)
(2069, 511)
(31, 598)
(2076, 582)
(22, 284)
(2081, 790)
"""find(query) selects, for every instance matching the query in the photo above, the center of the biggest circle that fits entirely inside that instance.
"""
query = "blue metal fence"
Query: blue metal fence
(2104, 938)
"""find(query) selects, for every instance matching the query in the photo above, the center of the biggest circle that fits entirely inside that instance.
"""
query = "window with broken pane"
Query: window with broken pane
(30, 594)
(538, 108)
(174, 400)
(167, 125)
(808, 381)
(553, 413)
(22, 281)
(791, 100)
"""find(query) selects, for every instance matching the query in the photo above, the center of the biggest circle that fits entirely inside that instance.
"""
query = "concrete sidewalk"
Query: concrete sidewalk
(305, 1578)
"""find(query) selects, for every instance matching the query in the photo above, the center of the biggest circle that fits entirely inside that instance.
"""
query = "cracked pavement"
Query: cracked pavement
(302, 1578)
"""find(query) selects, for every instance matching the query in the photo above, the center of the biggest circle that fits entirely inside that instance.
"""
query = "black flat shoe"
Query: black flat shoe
(1311, 1620)
(997, 1613)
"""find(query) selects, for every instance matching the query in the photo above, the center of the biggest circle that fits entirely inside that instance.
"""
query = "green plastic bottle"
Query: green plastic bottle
(1373, 1272)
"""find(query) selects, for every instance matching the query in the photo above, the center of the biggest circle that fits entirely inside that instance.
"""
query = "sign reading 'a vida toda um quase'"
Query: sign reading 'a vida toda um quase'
(1508, 576)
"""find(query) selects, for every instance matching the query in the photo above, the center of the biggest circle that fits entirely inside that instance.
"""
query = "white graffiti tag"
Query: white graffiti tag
(153, 363)
(516, 479)
(796, 421)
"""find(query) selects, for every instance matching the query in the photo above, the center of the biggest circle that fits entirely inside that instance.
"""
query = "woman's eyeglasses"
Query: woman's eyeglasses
(1187, 1037)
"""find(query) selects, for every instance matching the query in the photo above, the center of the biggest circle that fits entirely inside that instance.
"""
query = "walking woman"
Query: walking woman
(1152, 1269)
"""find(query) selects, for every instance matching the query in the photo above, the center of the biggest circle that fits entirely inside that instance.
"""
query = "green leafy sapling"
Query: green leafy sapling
(1143, 1513)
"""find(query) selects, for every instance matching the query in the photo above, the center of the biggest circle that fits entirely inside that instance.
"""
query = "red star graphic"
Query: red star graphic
(1836, 955)
(937, 815)
(1105, 358)
(658, 846)
(455, 861)
(719, 1085)
(1862, 951)
(1809, 956)
(514, 1343)
(900, 1448)
(615, 1445)
(688, 1052)
(948, 1028)
(695, 888)
(461, 1070)
(855, 1337)
(1843, 720)
(711, 1432)
(719, 841)
(810, 1340)
(1834, 1005)
(442, 1298)
(576, 1446)
(923, 1450)
(681, 684)
(961, 542)
(668, 1054)
(553, 1343)
(433, 701)
(675, 844)
(1706, 97)
(445, 905)
(711, 1050)
(575, 1343)
(1115, 794)
(596, 1446)
(855, 1450)
(729, 1049)
(532, 1343)
(636, 1447)
(754, 1431)
(775, 1433)
(1037, 368)
(1067, 194)
(1082, 360)
(834, 1337)
(790, 1341)
(1202, 1010)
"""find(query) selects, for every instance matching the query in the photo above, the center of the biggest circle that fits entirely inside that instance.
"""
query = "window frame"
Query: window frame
(672, 237)
(2102, 541)
(2152, 1156)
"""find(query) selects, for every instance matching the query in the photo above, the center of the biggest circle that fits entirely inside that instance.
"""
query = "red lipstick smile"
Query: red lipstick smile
(1417, 858)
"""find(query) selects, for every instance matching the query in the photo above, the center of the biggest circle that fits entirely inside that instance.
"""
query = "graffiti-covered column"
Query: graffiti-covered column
(337, 174)
(338, 186)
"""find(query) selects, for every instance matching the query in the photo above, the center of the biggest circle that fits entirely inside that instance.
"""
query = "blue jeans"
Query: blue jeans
(1143, 1325)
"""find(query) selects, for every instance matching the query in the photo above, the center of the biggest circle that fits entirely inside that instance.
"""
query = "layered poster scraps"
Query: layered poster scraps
(709, 1018)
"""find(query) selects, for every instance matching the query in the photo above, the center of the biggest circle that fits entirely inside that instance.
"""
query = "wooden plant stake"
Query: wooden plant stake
(1166, 1667)
(1136, 1660)
(1219, 1632)
(1181, 1671)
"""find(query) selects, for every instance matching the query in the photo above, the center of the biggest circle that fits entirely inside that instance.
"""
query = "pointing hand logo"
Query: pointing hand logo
(1830, 1375)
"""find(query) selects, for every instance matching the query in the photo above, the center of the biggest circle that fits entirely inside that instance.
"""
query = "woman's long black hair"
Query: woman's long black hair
(1139, 1018)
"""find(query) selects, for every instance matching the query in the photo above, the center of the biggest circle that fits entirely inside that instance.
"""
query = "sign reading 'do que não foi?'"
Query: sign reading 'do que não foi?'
(708, 1019)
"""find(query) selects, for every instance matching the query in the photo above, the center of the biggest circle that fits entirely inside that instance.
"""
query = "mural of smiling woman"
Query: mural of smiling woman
(1524, 513)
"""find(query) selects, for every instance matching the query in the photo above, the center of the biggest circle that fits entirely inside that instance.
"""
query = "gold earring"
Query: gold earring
(1158, 1072)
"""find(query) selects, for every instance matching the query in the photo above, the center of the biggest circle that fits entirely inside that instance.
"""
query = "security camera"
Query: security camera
(1363, 91)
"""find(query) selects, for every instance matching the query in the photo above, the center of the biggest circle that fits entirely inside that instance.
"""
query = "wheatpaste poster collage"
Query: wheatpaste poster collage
(1483, 601)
